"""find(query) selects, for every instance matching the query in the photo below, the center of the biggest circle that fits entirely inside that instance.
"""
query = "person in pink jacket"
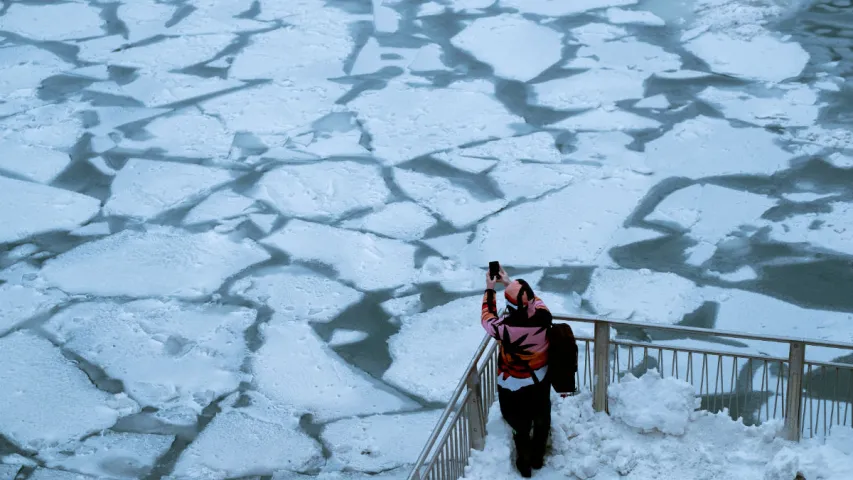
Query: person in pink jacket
(523, 383)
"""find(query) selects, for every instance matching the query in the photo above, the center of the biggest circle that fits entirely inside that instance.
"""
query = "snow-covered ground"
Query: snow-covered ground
(231, 225)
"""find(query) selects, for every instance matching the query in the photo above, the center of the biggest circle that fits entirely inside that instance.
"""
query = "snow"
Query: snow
(323, 190)
(38, 164)
(401, 220)
(621, 16)
(607, 119)
(19, 303)
(160, 261)
(112, 455)
(167, 355)
(515, 48)
(31, 209)
(60, 407)
(432, 370)
(407, 122)
(343, 336)
(377, 443)
(294, 356)
(219, 205)
(296, 293)
(642, 295)
(146, 188)
(654, 102)
(590, 89)
(368, 261)
(559, 8)
(651, 403)
(763, 57)
(794, 107)
(29, 21)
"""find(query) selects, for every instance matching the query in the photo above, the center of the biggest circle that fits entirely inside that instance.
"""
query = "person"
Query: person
(523, 382)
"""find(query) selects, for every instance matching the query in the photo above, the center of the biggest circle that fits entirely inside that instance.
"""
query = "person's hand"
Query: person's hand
(490, 283)
(503, 277)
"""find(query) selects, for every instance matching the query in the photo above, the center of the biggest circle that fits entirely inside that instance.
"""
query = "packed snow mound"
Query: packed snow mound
(652, 403)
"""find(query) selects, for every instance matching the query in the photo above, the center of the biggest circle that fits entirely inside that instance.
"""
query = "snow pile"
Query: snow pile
(637, 402)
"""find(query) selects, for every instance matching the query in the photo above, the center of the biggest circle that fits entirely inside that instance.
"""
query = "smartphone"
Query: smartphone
(494, 270)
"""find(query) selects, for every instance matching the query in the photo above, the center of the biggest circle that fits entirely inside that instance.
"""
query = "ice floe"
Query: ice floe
(590, 89)
(831, 230)
(620, 16)
(296, 369)
(29, 20)
(449, 245)
(51, 474)
(559, 8)
(631, 54)
(381, 442)
(187, 133)
(19, 303)
(57, 126)
(432, 370)
(297, 293)
(343, 336)
(607, 149)
(61, 407)
(793, 107)
(370, 262)
(385, 19)
(222, 204)
(459, 161)
(402, 220)
(112, 455)
(515, 48)
(519, 180)
(322, 191)
(25, 67)
(407, 122)
(658, 102)
(607, 119)
(183, 51)
(146, 188)
(642, 295)
(535, 147)
(171, 356)
(402, 305)
(763, 57)
(159, 261)
(452, 275)
(264, 221)
(163, 88)
(31, 209)
(428, 59)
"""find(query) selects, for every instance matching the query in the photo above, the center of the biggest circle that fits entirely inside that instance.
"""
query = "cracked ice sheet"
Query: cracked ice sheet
(368, 261)
(389, 445)
(794, 106)
(515, 48)
(439, 195)
(146, 188)
(621, 16)
(561, 8)
(402, 220)
(535, 147)
(764, 57)
(609, 150)
(163, 88)
(296, 369)
(642, 295)
(315, 54)
(59, 408)
(54, 126)
(607, 119)
(38, 164)
(160, 261)
(716, 148)
(407, 122)
(30, 209)
(520, 180)
(25, 66)
(323, 190)
(629, 53)
(222, 204)
(590, 89)
(67, 21)
(432, 373)
(296, 293)
(831, 231)
(580, 241)
(167, 54)
(112, 455)
(19, 303)
(255, 440)
(169, 355)
(188, 133)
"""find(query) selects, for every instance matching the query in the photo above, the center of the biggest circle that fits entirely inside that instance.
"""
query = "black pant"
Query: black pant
(524, 408)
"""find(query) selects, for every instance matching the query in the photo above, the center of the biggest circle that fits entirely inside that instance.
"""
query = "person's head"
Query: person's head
(518, 293)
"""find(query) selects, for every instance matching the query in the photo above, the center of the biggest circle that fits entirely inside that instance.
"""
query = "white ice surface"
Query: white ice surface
(401, 220)
(515, 48)
(607, 119)
(112, 455)
(428, 59)
(188, 133)
(340, 145)
(38, 164)
(589, 89)
(609, 150)
(19, 303)
(402, 305)
(183, 51)
(295, 369)
(296, 293)
(793, 107)
(520, 180)
(381, 442)
(28, 20)
(368, 261)
(146, 188)
(453, 331)
(408, 122)
(219, 205)
(536, 147)
(454, 276)
(369, 58)
(163, 88)
(658, 101)
(559, 8)
(25, 66)
(57, 126)
(763, 57)
(167, 355)
(449, 245)
(264, 221)
(62, 406)
(322, 191)
(30, 209)
(51, 474)
(8, 472)
(834, 231)
(343, 336)
(457, 160)
(631, 54)
(159, 261)
(642, 295)
(620, 16)
(94, 229)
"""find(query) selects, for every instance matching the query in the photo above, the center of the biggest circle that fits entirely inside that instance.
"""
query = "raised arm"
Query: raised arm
(489, 314)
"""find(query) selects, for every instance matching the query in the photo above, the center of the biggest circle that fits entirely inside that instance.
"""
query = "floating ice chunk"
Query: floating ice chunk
(95, 229)
(183, 51)
(168, 355)
(29, 21)
(61, 406)
(653, 403)
(208, 17)
(742, 274)
(370, 262)
(31, 209)
(186, 134)
(110, 118)
(609, 150)
(402, 305)
(580, 241)
(19, 303)
(408, 122)
(219, 205)
(145, 18)
(163, 88)
(518, 180)
(9, 471)
(796, 107)
(838, 160)
(831, 231)
(264, 221)
(113, 455)
(402, 220)
(716, 148)
(25, 66)
(606, 120)
(535, 147)
(428, 59)
(316, 54)
(19, 273)
(683, 75)
(626, 236)
(449, 245)
(294, 367)
(621, 16)
(22, 251)
(432, 373)
(55, 126)
(457, 160)
(632, 54)
(325, 190)
(805, 197)
(430, 8)
(764, 57)
(655, 102)
(369, 58)
(297, 293)
(385, 19)
(343, 336)
(515, 48)
(642, 295)
(161, 261)
(594, 33)
(146, 188)
(376, 444)
(470, 6)
(559, 8)
(590, 89)
(453, 203)
(453, 276)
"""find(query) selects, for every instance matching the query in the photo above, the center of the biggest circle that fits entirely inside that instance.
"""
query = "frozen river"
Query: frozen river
(245, 238)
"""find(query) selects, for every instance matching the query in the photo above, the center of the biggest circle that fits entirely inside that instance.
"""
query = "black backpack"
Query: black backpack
(562, 358)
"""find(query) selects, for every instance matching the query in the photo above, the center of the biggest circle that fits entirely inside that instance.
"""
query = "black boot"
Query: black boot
(522, 451)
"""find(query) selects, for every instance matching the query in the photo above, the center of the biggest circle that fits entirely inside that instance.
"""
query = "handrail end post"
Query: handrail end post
(793, 410)
(601, 365)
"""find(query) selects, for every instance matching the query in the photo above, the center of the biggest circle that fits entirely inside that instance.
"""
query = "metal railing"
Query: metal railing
(811, 396)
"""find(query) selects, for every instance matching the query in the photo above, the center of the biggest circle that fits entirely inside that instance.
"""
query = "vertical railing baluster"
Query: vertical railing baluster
(602, 365)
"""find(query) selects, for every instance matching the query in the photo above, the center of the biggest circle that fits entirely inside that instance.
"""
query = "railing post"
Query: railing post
(476, 422)
(601, 366)
(793, 406)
